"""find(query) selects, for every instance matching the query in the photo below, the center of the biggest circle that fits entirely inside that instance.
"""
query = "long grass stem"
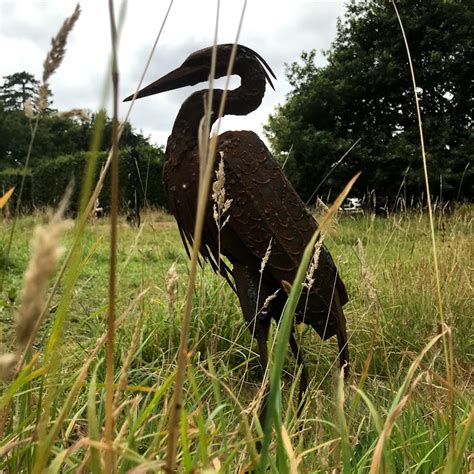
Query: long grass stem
(109, 379)
(449, 358)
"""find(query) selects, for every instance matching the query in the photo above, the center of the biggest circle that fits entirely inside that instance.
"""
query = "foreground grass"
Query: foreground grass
(387, 266)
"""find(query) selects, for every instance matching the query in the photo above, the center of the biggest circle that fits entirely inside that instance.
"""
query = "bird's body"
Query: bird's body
(265, 212)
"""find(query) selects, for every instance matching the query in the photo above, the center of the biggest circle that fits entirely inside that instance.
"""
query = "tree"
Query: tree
(365, 92)
(15, 127)
(55, 136)
(17, 89)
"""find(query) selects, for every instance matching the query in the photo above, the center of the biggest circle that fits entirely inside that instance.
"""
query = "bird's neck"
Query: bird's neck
(240, 101)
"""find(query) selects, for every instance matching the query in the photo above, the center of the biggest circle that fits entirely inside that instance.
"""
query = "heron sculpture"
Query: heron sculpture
(265, 208)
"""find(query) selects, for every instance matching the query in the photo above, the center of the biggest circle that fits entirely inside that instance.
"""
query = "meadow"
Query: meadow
(54, 411)
(91, 374)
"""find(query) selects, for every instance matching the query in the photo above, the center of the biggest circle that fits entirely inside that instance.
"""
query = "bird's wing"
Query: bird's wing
(264, 204)
(265, 208)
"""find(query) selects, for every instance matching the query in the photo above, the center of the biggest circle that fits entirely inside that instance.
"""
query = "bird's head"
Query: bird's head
(197, 68)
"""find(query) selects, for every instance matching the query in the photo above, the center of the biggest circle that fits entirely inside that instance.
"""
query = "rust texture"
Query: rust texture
(264, 207)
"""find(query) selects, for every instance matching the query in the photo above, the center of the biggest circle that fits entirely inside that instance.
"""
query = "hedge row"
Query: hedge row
(140, 175)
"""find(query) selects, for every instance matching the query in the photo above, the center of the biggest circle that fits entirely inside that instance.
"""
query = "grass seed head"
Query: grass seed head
(28, 108)
(309, 280)
(266, 257)
(55, 57)
(7, 366)
(171, 288)
(221, 204)
(58, 46)
(269, 299)
(75, 113)
(45, 257)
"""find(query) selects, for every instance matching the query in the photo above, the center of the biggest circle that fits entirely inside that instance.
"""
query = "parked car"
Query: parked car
(352, 206)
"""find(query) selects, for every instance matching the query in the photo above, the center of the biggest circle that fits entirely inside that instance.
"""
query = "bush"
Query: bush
(140, 170)
(52, 176)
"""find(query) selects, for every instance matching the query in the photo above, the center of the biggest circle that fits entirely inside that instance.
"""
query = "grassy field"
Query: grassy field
(53, 412)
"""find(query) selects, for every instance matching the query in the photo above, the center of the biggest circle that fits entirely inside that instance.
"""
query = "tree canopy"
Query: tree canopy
(364, 94)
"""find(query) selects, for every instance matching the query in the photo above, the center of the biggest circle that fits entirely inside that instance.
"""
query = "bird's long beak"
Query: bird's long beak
(180, 77)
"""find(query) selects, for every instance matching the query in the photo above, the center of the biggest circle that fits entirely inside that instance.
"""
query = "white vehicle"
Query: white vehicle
(352, 206)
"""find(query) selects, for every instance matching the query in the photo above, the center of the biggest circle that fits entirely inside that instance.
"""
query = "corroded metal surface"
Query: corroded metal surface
(265, 208)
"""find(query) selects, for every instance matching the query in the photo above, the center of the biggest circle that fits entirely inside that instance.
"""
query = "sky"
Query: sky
(279, 30)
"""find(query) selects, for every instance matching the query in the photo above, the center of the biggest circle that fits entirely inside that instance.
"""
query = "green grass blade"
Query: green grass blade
(373, 411)
(343, 431)
(273, 414)
(56, 464)
(147, 412)
(455, 466)
(187, 460)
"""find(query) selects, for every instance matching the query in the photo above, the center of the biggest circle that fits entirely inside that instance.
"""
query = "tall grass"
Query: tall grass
(99, 393)
(217, 423)
(109, 463)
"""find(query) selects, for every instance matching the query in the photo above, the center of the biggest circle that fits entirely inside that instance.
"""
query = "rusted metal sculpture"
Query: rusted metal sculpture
(265, 208)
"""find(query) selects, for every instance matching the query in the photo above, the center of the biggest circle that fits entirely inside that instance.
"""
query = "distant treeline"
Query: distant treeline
(61, 152)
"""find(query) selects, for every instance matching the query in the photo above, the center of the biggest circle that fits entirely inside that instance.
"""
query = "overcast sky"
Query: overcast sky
(278, 30)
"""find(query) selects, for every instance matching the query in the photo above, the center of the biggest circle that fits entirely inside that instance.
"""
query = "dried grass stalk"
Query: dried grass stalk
(289, 451)
(221, 204)
(128, 359)
(171, 289)
(309, 280)
(266, 257)
(58, 46)
(46, 255)
(71, 396)
(367, 275)
(51, 63)
(123, 429)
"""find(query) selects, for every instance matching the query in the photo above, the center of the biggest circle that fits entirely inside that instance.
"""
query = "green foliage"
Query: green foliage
(52, 177)
(17, 89)
(365, 92)
(140, 170)
(55, 136)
